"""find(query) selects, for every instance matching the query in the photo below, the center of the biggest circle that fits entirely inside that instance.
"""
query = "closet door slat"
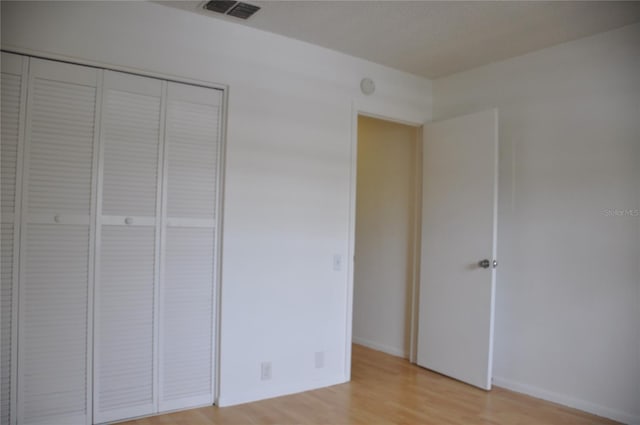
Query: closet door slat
(55, 268)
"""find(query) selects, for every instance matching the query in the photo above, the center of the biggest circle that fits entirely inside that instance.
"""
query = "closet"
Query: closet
(110, 205)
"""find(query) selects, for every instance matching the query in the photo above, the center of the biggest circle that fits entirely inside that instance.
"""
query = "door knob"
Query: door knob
(486, 263)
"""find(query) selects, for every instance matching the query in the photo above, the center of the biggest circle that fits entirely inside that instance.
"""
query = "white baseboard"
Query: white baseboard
(380, 347)
(568, 401)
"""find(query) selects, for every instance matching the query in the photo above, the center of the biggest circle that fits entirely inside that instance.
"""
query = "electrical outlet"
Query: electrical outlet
(337, 262)
(265, 371)
(319, 359)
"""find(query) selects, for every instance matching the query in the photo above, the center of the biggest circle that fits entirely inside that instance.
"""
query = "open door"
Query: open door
(458, 258)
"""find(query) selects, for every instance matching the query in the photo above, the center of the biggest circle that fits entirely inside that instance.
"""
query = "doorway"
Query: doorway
(388, 200)
(454, 224)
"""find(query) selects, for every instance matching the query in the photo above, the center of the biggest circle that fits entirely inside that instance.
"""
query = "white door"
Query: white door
(459, 223)
(127, 255)
(189, 246)
(54, 315)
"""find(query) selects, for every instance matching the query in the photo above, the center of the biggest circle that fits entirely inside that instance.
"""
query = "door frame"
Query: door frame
(384, 112)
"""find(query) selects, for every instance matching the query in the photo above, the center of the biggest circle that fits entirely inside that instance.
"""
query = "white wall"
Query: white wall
(568, 292)
(385, 203)
(287, 197)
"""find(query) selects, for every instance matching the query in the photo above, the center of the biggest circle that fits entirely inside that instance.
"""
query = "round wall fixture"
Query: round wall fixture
(367, 86)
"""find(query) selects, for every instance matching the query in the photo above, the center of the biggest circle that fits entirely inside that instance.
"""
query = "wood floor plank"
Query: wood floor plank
(387, 390)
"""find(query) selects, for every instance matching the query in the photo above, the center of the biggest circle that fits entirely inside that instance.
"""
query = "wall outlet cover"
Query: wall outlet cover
(265, 371)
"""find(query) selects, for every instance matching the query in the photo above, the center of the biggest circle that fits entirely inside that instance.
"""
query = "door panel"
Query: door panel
(187, 288)
(125, 353)
(192, 150)
(131, 132)
(61, 147)
(187, 318)
(124, 329)
(55, 257)
(455, 335)
(54, 330)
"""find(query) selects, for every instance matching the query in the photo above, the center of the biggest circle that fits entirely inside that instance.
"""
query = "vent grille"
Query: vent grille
(243, 10)
(232, 8)
(220, 6)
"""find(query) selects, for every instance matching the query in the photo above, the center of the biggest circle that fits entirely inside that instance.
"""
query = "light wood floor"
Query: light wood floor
(387, 390)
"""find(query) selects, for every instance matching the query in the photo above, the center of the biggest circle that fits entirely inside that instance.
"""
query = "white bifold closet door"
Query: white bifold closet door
(13, 98)
(110, 207)
(189, 234)
(54, 322)
(127, 248)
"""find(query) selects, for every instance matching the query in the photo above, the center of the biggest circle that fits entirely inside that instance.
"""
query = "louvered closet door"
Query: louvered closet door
(13, 98)
(187, 287)
(126, 288)
(55, 268)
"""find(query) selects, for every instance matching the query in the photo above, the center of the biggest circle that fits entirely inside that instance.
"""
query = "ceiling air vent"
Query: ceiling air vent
(236, 9)
(220, 6)
(243, 10)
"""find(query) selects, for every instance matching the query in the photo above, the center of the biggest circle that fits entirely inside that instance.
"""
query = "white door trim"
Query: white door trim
(383, 112)
(112, 67)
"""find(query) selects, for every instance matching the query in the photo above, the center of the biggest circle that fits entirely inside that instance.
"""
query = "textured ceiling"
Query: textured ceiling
(433, 38)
